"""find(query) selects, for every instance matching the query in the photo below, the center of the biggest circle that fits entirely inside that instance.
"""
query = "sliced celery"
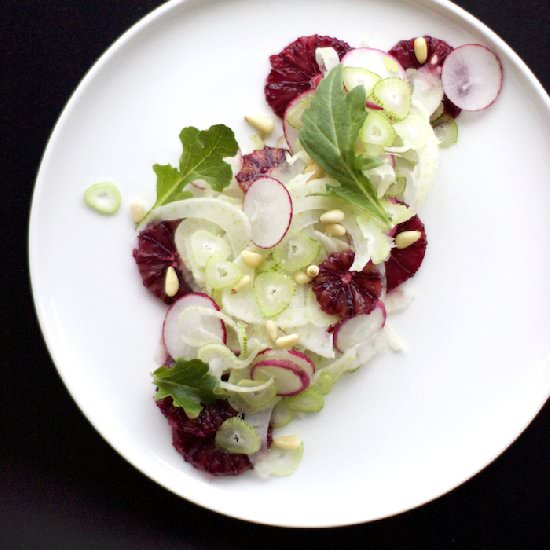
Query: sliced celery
(103, 197)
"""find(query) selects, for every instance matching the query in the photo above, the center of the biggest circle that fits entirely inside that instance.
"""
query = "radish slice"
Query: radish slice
(359, 329)
(292, 136)
(172, 327)
(373, 106)
(472, 77)
(376, 61)
(200, 184)
(297, 357)
(199, 326)
(292, 120)
(427, 93)
(268, 206)
(288, 377)
(327, 58)
(303, 360)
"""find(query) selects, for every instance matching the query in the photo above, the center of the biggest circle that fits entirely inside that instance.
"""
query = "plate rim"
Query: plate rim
(445, 7)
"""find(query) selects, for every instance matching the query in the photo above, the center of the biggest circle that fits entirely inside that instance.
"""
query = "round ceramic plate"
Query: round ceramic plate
(403, 430)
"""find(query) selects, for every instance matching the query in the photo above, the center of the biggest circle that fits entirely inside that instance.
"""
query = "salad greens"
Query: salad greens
(330, 128)
(201, 159)
(188, 383)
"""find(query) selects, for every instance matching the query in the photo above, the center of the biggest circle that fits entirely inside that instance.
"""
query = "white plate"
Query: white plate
(396, 434)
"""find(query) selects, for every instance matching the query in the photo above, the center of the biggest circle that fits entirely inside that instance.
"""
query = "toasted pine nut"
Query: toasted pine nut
(263, 123)
(312, 271)
(287, 442)
(287, 341)
(301, 278)
(137, 211)
(244, 281)
(252, 259)
(421, 49)
(332, 216)
(272, 330)
(171, 282)
(406, 238)
(335, 230)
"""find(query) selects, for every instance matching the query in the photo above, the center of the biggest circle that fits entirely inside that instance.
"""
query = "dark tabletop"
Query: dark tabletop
(61, 484)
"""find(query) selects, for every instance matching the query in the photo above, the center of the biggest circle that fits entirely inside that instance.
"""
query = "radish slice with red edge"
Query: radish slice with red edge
(292, 137)
(199, 184)
(373, 106)
(289, 378)
(303, 360)
(377, 61)
(359, 329)
(292, 120)
(171, 330)
(268, 206)
(472, 77)
(297, 357)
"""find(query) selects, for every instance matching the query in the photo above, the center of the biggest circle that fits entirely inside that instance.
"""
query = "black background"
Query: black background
(61, 484)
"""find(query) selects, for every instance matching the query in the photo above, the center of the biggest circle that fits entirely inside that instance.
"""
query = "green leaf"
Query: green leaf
(188, 383)
(330, 128)
(364, 202)
(169, 183)
(202, 158)
(203, 154)
(368, 163)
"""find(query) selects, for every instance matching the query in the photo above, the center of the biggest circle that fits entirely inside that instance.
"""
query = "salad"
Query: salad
(281, 267)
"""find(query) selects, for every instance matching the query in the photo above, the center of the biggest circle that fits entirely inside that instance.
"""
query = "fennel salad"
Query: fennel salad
(280, 267)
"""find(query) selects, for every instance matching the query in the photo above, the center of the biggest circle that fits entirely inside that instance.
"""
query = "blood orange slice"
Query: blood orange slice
(404, 263)
(155, 253)
(259, 163)
(194, 439)
(346, 293)
(438, 50)
(294, 69)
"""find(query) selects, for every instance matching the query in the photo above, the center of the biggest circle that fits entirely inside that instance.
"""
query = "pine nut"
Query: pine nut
(312, 271)
(171, 282)
(332, 216)
(287, 442)
(137, 211)
(272, 330)
(287, 341)
(263, 123)
(301, 278)
(335, 230)
(244, 281)
(252, 259)
(406, 238)
(421, 49)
